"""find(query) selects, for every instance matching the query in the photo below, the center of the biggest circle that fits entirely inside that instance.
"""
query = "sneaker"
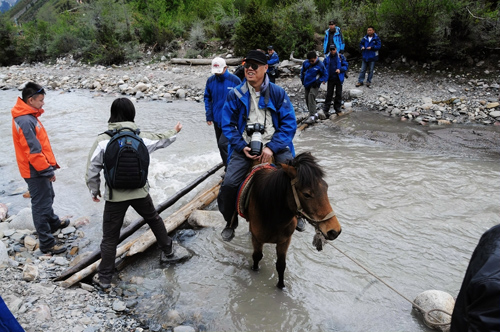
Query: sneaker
(167, 254)
(301, 225)
(359, 84)
(57, 249)
(97, 282)
(227, 234)
(310, 120)
(63, 224)
(368, 85)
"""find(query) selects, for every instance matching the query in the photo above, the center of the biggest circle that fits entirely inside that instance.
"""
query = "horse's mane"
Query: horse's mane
(270, 187)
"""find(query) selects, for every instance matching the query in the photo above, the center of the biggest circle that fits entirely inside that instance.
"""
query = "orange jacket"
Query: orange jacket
(33, 152)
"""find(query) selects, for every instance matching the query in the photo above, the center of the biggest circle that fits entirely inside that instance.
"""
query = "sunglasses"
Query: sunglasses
(254, 66)
(39, 91)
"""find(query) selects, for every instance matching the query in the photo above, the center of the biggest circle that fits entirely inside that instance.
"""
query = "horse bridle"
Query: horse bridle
(299, 206)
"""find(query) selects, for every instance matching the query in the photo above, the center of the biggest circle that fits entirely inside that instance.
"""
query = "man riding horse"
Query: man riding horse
(259, 121)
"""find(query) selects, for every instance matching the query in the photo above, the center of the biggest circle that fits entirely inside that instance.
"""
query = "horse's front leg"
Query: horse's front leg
(281, 250)
(257, 253)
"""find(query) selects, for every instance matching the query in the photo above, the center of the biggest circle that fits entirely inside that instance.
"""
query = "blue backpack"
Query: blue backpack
(126, 160)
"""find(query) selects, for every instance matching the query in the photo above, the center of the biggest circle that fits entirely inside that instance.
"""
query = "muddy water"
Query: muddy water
(410, 216)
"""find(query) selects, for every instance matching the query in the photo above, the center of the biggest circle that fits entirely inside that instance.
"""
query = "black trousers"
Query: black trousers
(222, 143)
(114, 212)
(336, 85)
(236, 172)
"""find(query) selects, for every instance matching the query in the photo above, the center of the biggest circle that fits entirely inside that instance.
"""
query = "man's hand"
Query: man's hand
(95, 199)
(266, 156)
(209, 123)
(338, 71)
(246, 151)
(178, 127)
(53, 179)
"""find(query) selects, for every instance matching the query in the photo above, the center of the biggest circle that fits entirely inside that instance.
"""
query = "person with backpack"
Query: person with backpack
(123, 153)
(37, 165)
(312, 74)
(273, 61)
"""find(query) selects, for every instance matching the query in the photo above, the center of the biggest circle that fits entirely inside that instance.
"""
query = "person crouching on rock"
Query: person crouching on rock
(124, 191)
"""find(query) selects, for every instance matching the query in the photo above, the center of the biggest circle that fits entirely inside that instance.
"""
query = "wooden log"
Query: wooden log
(135, 225)
(295, 60)
(175, 220)
(184, 61)
(144, 241)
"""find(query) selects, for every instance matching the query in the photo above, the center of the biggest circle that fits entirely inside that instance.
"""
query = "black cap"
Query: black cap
(333, 47)
(270, 47)
(331, 22)
(257, 56)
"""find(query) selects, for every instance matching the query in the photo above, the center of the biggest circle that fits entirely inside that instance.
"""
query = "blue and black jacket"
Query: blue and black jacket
(273, 98)
(273, 62)
(216, 90)
(332, 63)
(375, 44)
(338, 40)
(312, 75)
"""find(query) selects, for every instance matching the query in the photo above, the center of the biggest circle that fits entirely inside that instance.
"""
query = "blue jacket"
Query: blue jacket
(236, 110)
(216, 91)
(312, 74)
(273, 60)
(338, 39)
(375, 44)
(332, 63)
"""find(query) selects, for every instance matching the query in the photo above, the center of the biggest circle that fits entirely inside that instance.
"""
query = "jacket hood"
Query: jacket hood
(21, 108)
(120, 125)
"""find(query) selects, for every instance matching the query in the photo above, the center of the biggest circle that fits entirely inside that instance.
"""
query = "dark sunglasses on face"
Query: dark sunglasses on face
(254, 66)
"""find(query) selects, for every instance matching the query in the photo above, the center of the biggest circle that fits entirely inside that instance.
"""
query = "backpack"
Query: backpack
(126, 160)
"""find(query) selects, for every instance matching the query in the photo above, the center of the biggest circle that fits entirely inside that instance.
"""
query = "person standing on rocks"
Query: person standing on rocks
(333, 36)
(312, 74)
(369, 45)
(216, 90)
(118, 200)
(37, 165)
(273, 61)
(336, 65)
(256, 105)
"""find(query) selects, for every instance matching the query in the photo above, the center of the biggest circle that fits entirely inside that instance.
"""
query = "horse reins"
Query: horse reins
(299, 206)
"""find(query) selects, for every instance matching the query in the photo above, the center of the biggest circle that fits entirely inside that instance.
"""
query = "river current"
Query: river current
(411, 217)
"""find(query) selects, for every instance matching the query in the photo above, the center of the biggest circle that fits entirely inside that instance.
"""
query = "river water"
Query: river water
(411, 217)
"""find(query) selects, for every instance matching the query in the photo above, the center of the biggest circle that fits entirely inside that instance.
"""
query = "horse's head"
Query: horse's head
(311, 197)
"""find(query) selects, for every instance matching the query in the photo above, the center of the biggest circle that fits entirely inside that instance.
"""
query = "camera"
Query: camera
(255, 131)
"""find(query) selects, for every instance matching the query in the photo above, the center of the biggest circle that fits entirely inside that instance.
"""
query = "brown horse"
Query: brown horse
(277, 196)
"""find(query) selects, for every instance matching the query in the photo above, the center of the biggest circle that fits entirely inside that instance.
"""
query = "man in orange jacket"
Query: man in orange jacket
(37, 164)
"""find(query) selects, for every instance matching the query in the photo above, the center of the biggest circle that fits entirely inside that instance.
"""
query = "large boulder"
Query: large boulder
(23, 220)
(435, 299)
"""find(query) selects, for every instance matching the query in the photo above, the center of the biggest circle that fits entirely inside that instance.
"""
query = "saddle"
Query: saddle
(245, 188)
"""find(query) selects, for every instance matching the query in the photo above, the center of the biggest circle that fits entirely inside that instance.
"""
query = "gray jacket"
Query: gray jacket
(96, 157)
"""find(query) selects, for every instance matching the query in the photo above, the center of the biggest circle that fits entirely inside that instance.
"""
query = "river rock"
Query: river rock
(184, 328)
(119, 305)
(495, 114)
(435, 299)
(492, 105)
(3, 211)
(23, 220)
(30, 272)
(30, 243)
(181, 93)
(4, 256)
(355, 93)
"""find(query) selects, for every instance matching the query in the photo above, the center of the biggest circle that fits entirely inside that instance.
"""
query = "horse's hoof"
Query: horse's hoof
(280, 285)
(255, 268)
(227, 234)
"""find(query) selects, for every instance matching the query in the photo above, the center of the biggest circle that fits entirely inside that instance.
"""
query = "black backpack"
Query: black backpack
(126, 160)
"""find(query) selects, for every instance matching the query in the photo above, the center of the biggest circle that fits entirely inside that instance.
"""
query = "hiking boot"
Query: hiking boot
(322, 115)
(97, 282)
(62, 224)
(359, 84)
(57, 249)
(227, 233)
(301, 225)
(368, 85)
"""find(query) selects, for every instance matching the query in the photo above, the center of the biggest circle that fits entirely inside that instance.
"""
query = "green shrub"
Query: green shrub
(8, 42)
